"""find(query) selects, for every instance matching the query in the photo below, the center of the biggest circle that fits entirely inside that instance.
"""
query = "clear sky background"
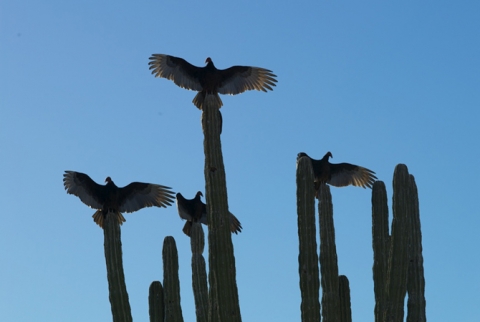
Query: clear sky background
(375, 83)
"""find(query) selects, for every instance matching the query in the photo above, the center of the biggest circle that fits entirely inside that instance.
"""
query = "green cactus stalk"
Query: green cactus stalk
(223, 292)
(398, 263)
(199, 273)
(344, 297)
(328, 257)
(307, 258)
(156, 302)
(116, 280)
(416, 281)
(398, 260)
(381, 248)
(171, 283)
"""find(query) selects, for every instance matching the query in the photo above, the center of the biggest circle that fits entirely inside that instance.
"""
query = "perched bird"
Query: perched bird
(209, 79)
(194, 210)
(110, 198)
(341, 174)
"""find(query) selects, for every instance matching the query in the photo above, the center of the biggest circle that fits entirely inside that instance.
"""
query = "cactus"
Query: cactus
(344, 296)
(398, 261)
(416, 280)
(199, 274)
(156, 302)
(307, 258)
(223, 293)
(328, 257)
(171, 283)
(116, 280)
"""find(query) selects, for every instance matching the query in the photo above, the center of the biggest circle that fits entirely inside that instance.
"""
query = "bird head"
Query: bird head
(108, 180)
(208, 60)
(199, 194)
(328, 155)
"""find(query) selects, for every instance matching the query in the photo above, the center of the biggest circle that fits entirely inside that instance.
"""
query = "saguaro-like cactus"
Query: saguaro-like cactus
(398, 261)
(328, 257)
(171, 283)
(199, 273)
(116, 280)
(156, 302)
(223, 293)
(307, 258)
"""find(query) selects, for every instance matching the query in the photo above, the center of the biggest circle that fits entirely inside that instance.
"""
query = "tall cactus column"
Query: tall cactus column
(171, 282)
(116, 279)
(398, 260)
(199, 273)
(223, 296)
(328, 257)
(307, 258)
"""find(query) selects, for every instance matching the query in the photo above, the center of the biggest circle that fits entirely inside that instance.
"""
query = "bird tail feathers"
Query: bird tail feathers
(200, 98)
(99, 218)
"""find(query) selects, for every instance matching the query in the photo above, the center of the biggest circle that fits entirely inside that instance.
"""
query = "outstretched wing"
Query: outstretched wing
(235, 225)
(176, 69)
(82, 186)
(344, 174)
(238, 79)
(138, 195)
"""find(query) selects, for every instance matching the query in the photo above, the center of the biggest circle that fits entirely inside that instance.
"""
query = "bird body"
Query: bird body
(110, 198)
(194, 210)
(341, 174)
(209, 80)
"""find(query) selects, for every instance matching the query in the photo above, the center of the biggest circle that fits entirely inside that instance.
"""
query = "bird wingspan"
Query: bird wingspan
(138, 195)
(181, 72)
(238, 79)
(344, 174)
(82, 186)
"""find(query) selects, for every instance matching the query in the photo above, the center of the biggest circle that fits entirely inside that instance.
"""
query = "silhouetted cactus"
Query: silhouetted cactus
(199, 273)
(307, 258)
(344, 296)
(416, 280)
(171, 283)
(398, 260)
(223, 293)
(156, 302)
(328, 257)
(118, 295)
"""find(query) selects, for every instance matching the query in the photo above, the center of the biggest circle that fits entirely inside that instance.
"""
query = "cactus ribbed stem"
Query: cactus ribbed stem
(398, 260)
(156, 302)
(398, 263)
(344, 296)
(381, 248)
(223, 293)
(307, 258)
(171, 283)
(416, 280)
(328, 257)
(199, 273)
(118, 295)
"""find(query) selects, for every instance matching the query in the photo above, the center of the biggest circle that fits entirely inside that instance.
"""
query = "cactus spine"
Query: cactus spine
(116, 280)
(223, 296)
(199, 273)
(307, 258)
(155, 302)
(171, 283)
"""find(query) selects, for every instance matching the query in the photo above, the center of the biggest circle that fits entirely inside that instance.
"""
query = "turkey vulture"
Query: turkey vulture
(110, 198)
(194, 210)
(340, 175)
(209, 79)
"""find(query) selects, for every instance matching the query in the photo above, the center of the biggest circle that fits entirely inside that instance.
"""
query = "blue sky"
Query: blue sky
(375, 83)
